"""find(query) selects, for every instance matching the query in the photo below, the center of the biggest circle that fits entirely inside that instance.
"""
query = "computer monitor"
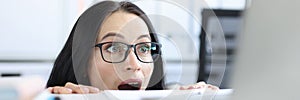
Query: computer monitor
(267, 63)
(218, 23)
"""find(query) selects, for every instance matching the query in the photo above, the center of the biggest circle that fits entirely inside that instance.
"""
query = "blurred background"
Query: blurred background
(198, 45)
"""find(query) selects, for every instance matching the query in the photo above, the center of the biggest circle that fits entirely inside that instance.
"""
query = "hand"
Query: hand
(199, 85)
(71, 88)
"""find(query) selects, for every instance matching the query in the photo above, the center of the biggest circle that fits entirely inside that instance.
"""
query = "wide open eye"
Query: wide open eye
(115, 47)
(144, 48)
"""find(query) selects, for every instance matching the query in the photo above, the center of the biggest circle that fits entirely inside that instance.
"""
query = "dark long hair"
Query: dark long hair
(72, 63)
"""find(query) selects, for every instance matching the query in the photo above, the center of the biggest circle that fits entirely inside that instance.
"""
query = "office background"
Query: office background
(33, 32)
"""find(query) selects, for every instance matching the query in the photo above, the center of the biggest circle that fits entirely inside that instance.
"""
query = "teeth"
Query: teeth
(133, 83)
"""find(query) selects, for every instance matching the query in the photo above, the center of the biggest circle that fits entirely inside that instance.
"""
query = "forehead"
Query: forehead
(129, 25)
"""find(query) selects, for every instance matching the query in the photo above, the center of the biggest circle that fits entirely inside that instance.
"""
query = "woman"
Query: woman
(112, 46)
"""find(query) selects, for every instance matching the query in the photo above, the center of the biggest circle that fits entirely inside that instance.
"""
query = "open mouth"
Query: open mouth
(131, 84)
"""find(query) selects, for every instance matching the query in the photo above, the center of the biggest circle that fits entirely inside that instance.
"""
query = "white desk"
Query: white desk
(223, 94)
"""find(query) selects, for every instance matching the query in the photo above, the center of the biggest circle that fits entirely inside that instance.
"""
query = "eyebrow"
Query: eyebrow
(144, 36)
(112, 34)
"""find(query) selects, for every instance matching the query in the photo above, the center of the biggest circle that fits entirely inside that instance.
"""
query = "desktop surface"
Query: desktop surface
(223, 94)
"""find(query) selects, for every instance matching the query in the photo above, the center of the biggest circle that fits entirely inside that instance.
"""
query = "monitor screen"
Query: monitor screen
(217, 47)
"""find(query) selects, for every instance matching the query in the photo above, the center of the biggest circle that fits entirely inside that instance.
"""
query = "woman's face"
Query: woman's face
(131, 74)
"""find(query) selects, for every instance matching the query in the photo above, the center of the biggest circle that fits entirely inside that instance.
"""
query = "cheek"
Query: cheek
(100, 72)
(105, 69)
(147, 69)
(102, 67)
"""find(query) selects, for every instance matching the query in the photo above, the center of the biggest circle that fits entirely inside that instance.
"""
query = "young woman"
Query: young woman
(112, 46)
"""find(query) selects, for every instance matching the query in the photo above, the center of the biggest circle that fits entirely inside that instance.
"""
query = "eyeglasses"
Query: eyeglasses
(116, 52)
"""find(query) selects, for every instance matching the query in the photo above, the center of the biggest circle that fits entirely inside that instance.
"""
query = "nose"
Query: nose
(133, 62)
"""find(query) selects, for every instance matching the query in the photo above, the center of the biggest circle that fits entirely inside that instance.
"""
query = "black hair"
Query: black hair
(71, 64)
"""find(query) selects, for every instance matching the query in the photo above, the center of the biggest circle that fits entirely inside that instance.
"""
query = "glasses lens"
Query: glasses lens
(114, 52)
(147, 52)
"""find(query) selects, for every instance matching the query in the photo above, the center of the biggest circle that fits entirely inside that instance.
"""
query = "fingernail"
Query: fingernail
(96, 90)
(199, 87)
(85, 90)
(50, 88)
(55, 91)
(69, 90)
(181, 88)
(191, 87)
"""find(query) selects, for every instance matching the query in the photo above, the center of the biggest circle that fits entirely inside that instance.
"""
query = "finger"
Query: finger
(212, 87)
(192, 87)
(77, 88)
(195, 87)
(61, 90)
(201, 83)
(91, 89)
(50, 89)
(182, 88)
(198, 85)
(188, 87)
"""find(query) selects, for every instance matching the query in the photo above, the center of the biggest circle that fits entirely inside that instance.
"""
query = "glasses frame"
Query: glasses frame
(128, 51)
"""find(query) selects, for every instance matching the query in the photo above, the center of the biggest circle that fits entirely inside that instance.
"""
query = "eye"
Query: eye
(112, 49)
(144, 48)
(115, 48)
